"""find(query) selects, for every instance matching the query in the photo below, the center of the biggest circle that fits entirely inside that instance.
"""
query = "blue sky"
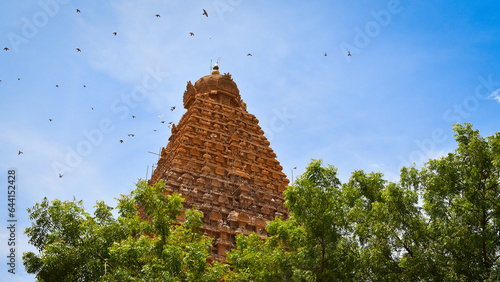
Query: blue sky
(416, 68)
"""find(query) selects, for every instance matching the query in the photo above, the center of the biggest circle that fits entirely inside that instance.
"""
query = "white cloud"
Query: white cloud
(495, 95)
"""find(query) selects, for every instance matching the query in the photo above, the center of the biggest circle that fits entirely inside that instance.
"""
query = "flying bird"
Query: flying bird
(78, 50)
(348, 53)
(18, 78)
(84, 85)
(121, 141)
(133, 116)
(60, 175)
(192, 34)
(325, 54)
(6, 49)
(78, 11)
(20, 152)
(92, 108)
(50, 119)
(157, 15)
(162, 121)
(154, 130)
(205, 13)
(114, 33)
(160, 116)
(170, 122)
(57, 85)
(249, 54)
(131, 135)
(172, 108)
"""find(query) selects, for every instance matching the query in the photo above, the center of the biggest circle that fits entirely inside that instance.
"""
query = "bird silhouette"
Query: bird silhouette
(172, 108)
(121, 141)
(18, 78)
(162, 121)
(78, 11)
(6, 49)
(325, 54)
(348, 53)
(84, 85)
(20, 152)
(50, 119)
(114, 33)
(170, 122)
(249, 54)
(57, 85)
(92, 108)
(192, 34)
(133, 116)
(131, 135)
(205, 13)
(78, 50)
(154, 130)
(60, 175)
(160, 116)
(157, 15)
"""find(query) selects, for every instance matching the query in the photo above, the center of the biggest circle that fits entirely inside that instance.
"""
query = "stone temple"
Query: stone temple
(219, 160)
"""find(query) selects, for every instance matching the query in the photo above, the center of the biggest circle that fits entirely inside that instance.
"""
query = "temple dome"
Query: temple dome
(216, 85)
(217, 82)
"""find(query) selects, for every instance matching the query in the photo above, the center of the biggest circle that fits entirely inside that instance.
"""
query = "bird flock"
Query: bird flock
(79, 50)
(115, 33)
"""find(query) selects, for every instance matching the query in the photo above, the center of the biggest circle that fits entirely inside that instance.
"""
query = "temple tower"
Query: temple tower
(220, 161)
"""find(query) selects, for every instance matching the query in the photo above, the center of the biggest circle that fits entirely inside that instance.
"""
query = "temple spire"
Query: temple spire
(219, 160)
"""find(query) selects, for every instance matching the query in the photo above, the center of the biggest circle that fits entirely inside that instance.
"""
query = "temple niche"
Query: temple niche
(219, 160)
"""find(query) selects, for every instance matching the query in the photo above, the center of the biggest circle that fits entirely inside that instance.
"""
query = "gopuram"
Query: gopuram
(219, 160)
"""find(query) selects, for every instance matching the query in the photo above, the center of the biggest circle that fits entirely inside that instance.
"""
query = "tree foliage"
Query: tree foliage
(313, 245)
(439, 222)
(76, 246)
(461, 198)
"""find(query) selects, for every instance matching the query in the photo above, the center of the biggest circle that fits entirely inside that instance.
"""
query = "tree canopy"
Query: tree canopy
(76, 246)
(439, 222)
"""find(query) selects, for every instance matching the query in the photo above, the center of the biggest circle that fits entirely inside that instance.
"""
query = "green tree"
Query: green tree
(311, 245)
(63, 233)
(461, 199)
(257, 259)
(144, 243)
(389, 228)
(438, 223)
